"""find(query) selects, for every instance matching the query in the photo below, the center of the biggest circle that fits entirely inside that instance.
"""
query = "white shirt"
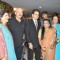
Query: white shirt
(36, 23)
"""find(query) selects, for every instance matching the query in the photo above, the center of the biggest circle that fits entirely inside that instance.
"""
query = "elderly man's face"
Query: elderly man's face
(19, 13)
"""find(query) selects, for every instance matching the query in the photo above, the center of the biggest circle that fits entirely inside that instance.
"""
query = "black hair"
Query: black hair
(2, 12)
(55, 14)
(35, 11)
(43, 28)
(44, 12)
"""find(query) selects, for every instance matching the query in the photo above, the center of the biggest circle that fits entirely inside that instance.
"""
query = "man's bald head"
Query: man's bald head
(19, 9)
(19, 12)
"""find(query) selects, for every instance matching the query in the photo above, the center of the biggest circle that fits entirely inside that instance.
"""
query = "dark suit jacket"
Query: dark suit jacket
(17, 29)
(32, 33)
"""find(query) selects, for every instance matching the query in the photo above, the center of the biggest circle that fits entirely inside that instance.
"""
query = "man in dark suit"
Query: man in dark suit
(17, 27)
(32, 36)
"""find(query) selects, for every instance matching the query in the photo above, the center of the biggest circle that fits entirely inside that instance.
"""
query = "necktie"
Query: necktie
(36, 24)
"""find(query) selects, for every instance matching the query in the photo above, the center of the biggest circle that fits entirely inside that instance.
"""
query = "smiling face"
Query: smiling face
(35, 15)
(5, 17)
(46, 24)
(19, 13)
(55, 20)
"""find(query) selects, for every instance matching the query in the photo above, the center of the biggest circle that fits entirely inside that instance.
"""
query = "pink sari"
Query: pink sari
(3, 52)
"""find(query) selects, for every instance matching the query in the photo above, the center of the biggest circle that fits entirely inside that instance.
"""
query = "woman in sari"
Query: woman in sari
(3, 52)
(7, 51)
(56, 25)
(47, 38)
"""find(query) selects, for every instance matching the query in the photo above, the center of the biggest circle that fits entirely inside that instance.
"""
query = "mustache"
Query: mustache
(20, 14)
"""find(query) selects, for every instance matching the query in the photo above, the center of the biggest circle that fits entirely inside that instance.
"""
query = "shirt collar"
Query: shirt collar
(34, 20)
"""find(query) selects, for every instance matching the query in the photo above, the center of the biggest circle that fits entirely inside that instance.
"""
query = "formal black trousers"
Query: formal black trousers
(37, 52)
(18, 51)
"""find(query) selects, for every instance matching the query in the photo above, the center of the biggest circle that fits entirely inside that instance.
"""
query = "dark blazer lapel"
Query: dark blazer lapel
(34, 25)
(38, 26)
(32, 22)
